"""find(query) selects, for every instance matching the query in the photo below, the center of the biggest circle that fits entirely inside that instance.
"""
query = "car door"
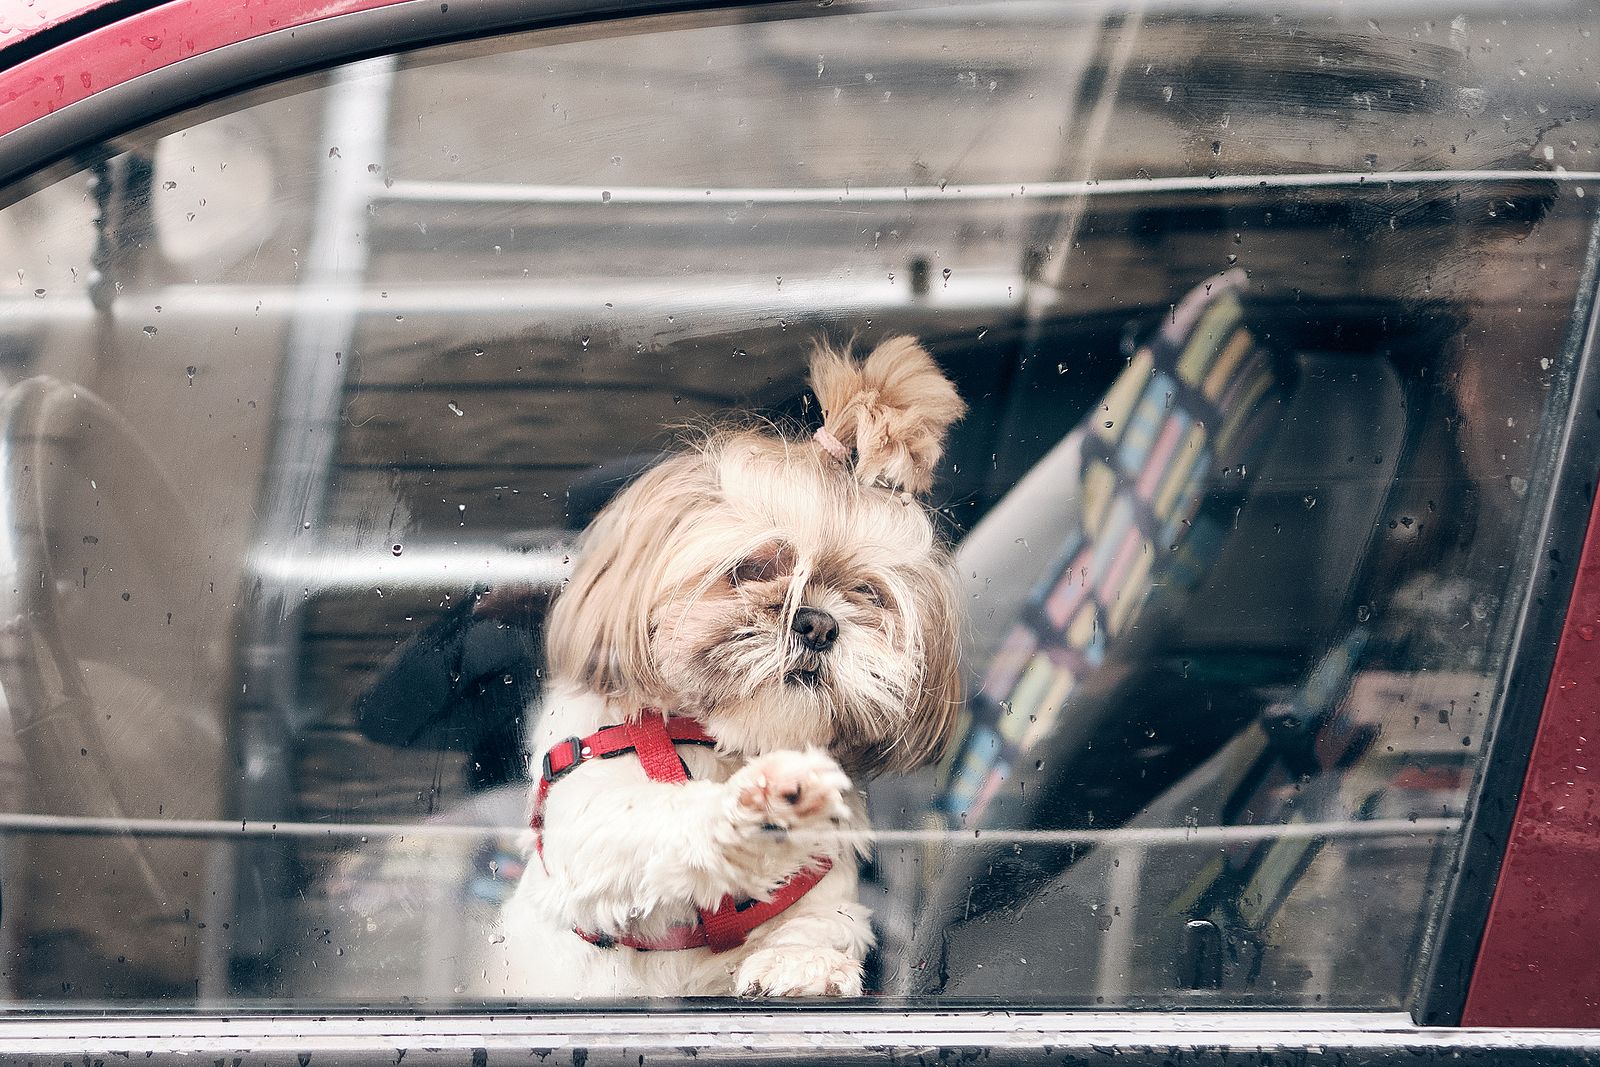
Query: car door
(334, 324)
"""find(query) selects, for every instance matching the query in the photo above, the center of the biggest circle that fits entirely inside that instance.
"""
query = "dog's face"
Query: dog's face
(757, 582)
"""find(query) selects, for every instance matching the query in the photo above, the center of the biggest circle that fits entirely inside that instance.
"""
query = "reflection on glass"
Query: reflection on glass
(1267, 323)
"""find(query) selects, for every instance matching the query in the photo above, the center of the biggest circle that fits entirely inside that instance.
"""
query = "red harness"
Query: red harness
(653, 739)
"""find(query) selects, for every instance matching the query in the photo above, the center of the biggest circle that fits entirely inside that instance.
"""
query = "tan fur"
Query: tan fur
(683, 600)
(599, 632)
(643, 617)
(894, 409)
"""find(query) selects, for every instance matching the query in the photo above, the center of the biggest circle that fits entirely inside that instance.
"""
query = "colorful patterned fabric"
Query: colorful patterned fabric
(1165, 459)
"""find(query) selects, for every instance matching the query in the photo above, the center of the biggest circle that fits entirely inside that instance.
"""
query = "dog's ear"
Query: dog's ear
(599, 631)
(934, 711)
(892, 411)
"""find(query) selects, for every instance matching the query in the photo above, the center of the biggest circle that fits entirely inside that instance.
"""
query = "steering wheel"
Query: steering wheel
(51, 431)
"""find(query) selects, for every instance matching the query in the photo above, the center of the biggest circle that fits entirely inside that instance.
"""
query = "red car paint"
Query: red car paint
(1537, 965)
(21, 19)
(147, 41)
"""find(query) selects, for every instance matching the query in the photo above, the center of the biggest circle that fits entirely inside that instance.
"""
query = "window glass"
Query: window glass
(1267, 320)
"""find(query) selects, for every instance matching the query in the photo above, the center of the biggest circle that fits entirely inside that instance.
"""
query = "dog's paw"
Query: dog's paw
(790, 789)
(798, 972)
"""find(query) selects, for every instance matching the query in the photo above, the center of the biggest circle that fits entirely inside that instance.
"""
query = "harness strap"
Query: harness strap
(728, 926)
(651, 742)
(654, 739)
(658, 737)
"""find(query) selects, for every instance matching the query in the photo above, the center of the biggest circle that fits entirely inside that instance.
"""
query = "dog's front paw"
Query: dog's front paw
(789, 789)
(799, 972)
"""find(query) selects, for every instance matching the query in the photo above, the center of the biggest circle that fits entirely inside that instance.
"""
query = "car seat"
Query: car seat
(1159, 469)
(1206, 469)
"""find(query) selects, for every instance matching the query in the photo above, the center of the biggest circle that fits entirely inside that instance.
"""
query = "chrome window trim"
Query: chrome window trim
(727, 1032)
(739, 1032)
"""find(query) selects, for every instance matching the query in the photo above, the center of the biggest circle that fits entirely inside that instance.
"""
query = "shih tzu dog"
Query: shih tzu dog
(753, 625)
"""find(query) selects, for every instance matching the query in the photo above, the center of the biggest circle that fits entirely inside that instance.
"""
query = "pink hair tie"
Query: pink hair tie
(832, 446)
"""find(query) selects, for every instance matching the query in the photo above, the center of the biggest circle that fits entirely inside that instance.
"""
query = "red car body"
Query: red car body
(1536, 965)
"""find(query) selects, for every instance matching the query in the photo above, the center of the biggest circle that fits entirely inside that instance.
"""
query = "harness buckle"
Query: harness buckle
(572, 749)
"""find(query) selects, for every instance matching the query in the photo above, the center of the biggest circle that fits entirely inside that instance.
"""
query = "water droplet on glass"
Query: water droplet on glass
(190, 371)
(1363, 613)
(455, 410)
(149, 331)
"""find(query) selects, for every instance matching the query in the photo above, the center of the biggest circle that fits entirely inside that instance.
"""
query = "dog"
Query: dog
(753, 626)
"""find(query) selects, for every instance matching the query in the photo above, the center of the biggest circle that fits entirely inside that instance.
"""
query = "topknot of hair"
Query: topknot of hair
(890, 411)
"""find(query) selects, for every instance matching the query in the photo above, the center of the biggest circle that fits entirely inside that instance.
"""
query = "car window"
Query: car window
(1267, 321)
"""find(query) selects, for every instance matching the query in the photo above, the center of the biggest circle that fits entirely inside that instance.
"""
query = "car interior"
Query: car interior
(1239, 511)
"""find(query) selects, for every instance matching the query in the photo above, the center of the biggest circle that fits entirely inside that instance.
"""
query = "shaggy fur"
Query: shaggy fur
(685, 600)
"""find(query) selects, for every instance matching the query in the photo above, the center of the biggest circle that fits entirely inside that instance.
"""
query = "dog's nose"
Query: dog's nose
(816, 629)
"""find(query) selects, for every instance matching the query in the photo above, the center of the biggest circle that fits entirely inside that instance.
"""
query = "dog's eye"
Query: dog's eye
(869, 592)
(766, 564)
(755, 570)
